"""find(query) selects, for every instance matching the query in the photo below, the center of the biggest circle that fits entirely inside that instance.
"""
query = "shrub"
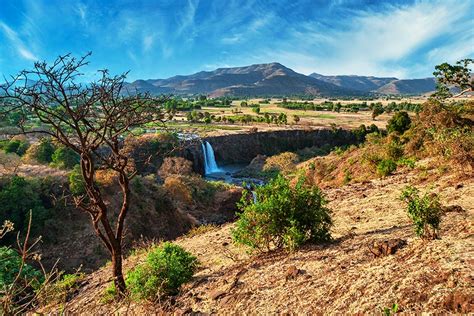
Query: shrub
(175, 165)
(400, 122)
(64, 158)
(76, 181)
(10, 264)
(59, 291)
(282, 216)
(17, 197)
(178, 189)
(425, 211)
(41, 152)
(18, 282)
(16, 146)
(386, 167)
(284, 162)
(167, 267)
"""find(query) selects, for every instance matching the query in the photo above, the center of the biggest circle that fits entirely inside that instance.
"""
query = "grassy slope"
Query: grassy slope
(339, 277)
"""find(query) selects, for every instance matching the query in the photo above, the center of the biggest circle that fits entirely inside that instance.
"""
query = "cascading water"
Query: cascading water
(210, 164)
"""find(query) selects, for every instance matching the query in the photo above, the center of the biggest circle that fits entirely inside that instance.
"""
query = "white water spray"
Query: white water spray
(210, 164)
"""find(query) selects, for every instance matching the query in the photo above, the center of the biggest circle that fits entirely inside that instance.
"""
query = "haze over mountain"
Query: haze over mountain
(275, 79)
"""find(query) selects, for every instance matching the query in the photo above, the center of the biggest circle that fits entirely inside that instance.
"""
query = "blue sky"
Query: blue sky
(158, 39)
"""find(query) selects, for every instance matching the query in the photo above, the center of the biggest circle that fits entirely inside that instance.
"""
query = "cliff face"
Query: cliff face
(242, 148)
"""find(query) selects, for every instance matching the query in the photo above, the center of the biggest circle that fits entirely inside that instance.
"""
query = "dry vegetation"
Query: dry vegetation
(342, 276)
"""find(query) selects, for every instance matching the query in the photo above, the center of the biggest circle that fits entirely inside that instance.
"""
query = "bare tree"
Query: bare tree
(91, 119)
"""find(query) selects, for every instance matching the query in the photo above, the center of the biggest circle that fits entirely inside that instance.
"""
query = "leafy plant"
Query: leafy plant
(424, 210)
(59, 291)
(17, 197)
(16, 146)
(76, 181)
(41, 151)
(386, 167)
(64, 158)
(167, 267)
(282, 216)
(400, 122)
(388, 311)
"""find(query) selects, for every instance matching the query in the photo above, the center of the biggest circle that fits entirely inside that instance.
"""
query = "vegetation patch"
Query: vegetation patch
(166, 268)
(282, 215)
(424, 210)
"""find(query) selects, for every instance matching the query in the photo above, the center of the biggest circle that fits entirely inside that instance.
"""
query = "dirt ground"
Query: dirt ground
(336, 278)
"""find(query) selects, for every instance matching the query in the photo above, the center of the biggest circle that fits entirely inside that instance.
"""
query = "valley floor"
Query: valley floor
(340, 277)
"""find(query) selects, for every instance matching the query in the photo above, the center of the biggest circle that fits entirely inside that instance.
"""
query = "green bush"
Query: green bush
(282, 216)
(10, 264)
(64, 158)
(400, 122)
(386, 167)
(42, 151)
(57, 292)
(167, 267)
(76, 181)
(16, 146)
(425, 211)
(17, 197)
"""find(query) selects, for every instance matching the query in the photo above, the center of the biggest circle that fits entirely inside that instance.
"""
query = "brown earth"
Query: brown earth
(340, 277)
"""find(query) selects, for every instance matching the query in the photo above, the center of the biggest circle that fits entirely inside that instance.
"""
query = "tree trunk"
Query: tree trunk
(119, 280)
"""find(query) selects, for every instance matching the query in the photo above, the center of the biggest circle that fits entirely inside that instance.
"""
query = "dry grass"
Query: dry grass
(337, 278)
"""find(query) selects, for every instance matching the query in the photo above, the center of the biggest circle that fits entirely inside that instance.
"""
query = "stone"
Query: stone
(386, 247)
(292, 272)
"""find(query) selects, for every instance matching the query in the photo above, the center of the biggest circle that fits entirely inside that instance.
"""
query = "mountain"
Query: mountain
(255, 80)
(360, 83)
(382, 85)
(274, 79)
(409, 86)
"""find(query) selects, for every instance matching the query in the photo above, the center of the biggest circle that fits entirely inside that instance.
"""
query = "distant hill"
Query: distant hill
(409, 86)
(360, 83)
(274, 79)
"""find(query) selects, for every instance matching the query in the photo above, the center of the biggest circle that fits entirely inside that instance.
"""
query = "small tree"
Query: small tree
(425, 211)
(400, 122)
(91, 120)
(377, 110)
(458, 75)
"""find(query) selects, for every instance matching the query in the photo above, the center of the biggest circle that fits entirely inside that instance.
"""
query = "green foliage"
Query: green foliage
(388, 311)
(76, 181)
(167, 267)
(17, 197)
(458, 75)
(400, 122)
(10, 265)
(42, 152)
(16, 146)
(377, 110)
(408, 162)
(386, 167)
(424, 210)
(64, 158)
(282, 216)
(58, 291)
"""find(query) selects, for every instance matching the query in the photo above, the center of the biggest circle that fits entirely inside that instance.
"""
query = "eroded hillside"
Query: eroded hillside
(339, 277)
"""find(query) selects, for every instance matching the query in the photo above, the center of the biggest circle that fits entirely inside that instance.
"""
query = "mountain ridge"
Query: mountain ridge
(275, 79)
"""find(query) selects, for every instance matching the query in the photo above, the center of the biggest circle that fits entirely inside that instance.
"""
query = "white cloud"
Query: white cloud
(375, 43)
(16, 42)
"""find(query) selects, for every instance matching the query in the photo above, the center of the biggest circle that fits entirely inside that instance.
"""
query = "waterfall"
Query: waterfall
(210, 164)
(254, 197)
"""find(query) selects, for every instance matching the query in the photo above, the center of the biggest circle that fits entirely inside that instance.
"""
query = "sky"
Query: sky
(163, 38)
